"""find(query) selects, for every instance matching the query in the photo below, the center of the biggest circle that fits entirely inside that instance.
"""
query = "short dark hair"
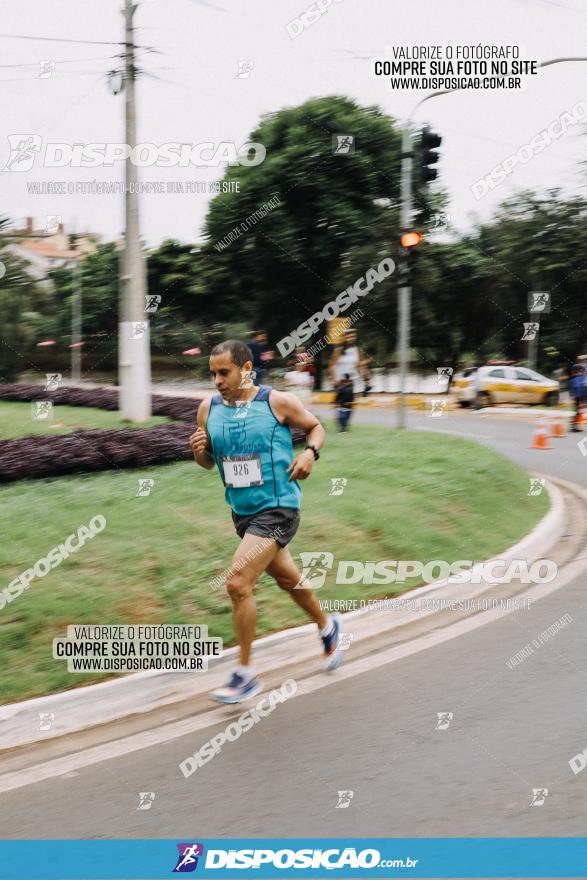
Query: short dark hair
(239, 351)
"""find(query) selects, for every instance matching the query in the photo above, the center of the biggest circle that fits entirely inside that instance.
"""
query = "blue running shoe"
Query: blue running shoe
(237, 689)
(332, 646)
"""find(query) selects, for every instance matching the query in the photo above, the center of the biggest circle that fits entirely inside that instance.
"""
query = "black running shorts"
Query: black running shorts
(280, 523)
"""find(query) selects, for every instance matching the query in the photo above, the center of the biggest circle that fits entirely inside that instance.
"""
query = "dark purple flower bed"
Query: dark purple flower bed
(95, 450)
(102, 449)
(181, 409)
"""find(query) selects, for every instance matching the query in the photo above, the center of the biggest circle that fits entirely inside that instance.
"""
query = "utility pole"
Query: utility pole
(134, 354)
(405, 291)
(533, 344)
(76, 320)
(539, 301)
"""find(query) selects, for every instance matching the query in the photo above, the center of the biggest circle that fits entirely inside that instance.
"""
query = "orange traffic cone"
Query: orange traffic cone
(540, 438)
(580, 420)
(558, 427)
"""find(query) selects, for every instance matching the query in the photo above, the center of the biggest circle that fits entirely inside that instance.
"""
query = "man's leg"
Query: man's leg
(252, 557)
(285, 572)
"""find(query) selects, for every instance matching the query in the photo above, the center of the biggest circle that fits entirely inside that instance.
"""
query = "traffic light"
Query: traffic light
(410, 239)
(409, 253)
(429, 142)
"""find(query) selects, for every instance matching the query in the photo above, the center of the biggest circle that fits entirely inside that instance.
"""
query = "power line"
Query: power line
(64, 40)
(68, 61)
(67, 74)
(62, 76)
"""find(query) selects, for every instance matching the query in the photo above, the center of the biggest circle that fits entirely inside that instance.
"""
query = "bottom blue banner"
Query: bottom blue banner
(288, 857)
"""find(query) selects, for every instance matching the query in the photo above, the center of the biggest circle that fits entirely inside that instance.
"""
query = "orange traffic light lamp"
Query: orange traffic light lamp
(410, 239)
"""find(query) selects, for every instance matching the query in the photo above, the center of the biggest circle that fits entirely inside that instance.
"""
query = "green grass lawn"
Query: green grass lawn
(408, 496)
(16, 420)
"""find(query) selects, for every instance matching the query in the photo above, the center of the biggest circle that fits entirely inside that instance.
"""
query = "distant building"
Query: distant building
(50, 248)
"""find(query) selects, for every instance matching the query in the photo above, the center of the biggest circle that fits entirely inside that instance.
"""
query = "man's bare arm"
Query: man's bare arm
(200, 442)
(290, 410)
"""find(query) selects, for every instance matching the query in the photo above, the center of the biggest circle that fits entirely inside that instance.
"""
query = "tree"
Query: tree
(173, 273)
(452, 309)
(540, 242)
(321, 208)
(100, 294)
(18, 293)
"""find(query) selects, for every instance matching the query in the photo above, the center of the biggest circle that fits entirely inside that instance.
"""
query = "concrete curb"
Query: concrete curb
(385, 401)
(98, 704)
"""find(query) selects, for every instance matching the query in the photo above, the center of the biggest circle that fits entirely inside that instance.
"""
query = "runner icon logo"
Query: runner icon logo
(438, 409)
(315, 566)
(242, 408)
(188, 857)
(344, 799)
(444, 374)
(343, 144)
(138, 329)
(539, 795)
(444, 719)
(245, 68)
(536, 485)
(46, 720)
(247, 379)
(23, 151)
(53, 381)
(46, 68)
(42, 409)
(52, 222)
(345, 641)
(539, 301)
(146, 799)
(152, 302)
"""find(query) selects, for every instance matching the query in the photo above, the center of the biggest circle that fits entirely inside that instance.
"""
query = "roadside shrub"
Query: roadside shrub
(45, 455)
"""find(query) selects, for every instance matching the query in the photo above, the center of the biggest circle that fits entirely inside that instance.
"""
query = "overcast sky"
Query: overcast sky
(199, 97)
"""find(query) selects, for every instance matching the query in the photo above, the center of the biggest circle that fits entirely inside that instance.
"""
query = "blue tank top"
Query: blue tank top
(250, 434)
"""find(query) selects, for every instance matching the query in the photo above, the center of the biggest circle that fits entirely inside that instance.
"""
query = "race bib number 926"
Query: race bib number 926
(242, 471)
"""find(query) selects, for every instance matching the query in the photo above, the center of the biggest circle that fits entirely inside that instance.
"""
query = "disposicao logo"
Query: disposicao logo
(187, 861)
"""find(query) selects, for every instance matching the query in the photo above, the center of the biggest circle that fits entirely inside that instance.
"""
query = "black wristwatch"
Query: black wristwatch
(314, 450)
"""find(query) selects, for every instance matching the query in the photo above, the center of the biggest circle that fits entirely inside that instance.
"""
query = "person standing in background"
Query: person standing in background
(257, 347)
(347, 359)
(344, 402)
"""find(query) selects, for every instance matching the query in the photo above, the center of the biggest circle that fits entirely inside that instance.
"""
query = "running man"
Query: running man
(244, 430)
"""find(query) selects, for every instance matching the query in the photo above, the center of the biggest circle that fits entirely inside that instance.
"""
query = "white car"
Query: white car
(486, 386)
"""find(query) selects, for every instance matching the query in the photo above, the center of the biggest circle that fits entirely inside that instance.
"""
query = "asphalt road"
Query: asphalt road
(512, 731)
